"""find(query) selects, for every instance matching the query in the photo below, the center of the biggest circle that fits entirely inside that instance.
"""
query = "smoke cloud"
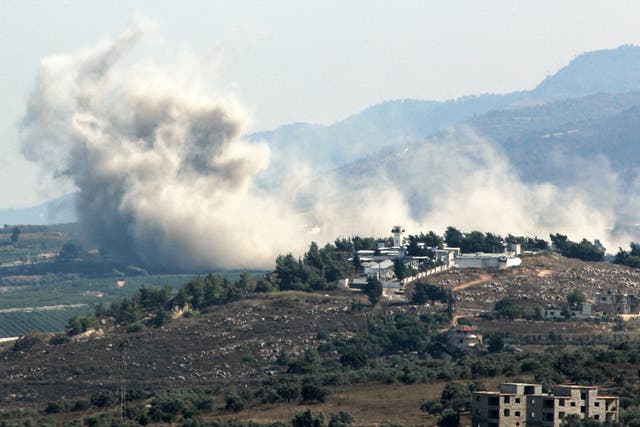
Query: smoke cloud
(165, 176)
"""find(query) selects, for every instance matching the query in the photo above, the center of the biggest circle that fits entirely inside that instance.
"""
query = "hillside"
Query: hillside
(402, 122)
(241, 346)
(57, 211)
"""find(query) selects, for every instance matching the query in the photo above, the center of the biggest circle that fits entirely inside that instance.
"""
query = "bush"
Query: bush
(134, 327)
(308, 419)
(341, 419)
(312, 391)
(264, 286)
(449, 419)
(373, 290)
(235, 402)
(162, 317)
(102, 399)
(58, 339)
(192, 313)
(55, 408)
(80, 405)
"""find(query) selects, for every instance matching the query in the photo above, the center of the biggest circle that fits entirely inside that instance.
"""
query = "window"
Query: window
(517, 413)
(517, 400)
(560, 402)
(582, 409)
(573, 403)
(583, 396)
(507, 412)
(548, 403)
(494, 414)
(507, 399)
(477, 398)
(596, 417)
(596, 404)
(550, 416)
(532, 414)
(494, 401)
(561, 415)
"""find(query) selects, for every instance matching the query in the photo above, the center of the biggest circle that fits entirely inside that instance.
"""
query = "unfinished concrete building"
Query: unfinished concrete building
(519, 404)
(615, 303)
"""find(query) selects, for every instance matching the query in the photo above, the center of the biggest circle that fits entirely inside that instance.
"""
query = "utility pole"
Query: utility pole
(122, 380)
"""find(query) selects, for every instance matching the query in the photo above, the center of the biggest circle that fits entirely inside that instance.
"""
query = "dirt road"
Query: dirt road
(483, 278)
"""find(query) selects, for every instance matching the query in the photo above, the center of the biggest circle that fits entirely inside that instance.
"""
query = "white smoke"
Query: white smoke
(165, 177)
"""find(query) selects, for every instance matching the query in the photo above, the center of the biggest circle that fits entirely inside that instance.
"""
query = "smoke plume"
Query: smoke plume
(165, 176)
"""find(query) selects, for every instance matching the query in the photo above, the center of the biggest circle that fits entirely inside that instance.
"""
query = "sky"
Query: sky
(315, 61)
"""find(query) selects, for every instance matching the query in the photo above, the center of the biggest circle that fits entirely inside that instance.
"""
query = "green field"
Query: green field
(55, 283)
(51, 290)
(15, 324)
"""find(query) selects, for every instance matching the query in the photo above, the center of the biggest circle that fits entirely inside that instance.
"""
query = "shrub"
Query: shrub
(312, 391)
(341, 419)
(308, 419)
(134, 327)
(235, 402)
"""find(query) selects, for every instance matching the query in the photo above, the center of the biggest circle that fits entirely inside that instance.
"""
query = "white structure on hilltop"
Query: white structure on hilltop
(380, 270)
(398, 236)
(486, 260)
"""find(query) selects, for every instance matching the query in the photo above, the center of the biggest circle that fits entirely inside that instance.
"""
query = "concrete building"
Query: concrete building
(581, 311)
(507, 407)
(463, 337)
(445, 255)
(486, 260)
(519, 404)
(614, 303)
(380, 270)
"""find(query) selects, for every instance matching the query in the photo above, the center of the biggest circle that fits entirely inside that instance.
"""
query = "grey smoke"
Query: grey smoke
(165, 176)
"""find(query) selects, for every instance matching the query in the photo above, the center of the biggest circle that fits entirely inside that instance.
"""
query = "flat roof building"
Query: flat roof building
(518, 404)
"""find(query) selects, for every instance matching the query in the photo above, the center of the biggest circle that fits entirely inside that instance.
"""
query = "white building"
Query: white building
(380, 270)
(485, 260)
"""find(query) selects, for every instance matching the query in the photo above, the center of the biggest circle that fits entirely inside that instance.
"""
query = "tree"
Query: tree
(71, 249)
(15, 234)
(585, 250)
(373, 290)
(455, 396)
(312, 391)
(423, 292)
(559, 241)
(575, 297)
(509, 308)
(357, 263)
(453, 237)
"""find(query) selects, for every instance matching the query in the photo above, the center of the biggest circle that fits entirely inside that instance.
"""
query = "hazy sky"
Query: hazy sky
(311, 61)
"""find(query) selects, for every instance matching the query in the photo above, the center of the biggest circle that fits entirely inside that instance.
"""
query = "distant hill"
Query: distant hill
(610, 71)
(57, 211)
(394, 123)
